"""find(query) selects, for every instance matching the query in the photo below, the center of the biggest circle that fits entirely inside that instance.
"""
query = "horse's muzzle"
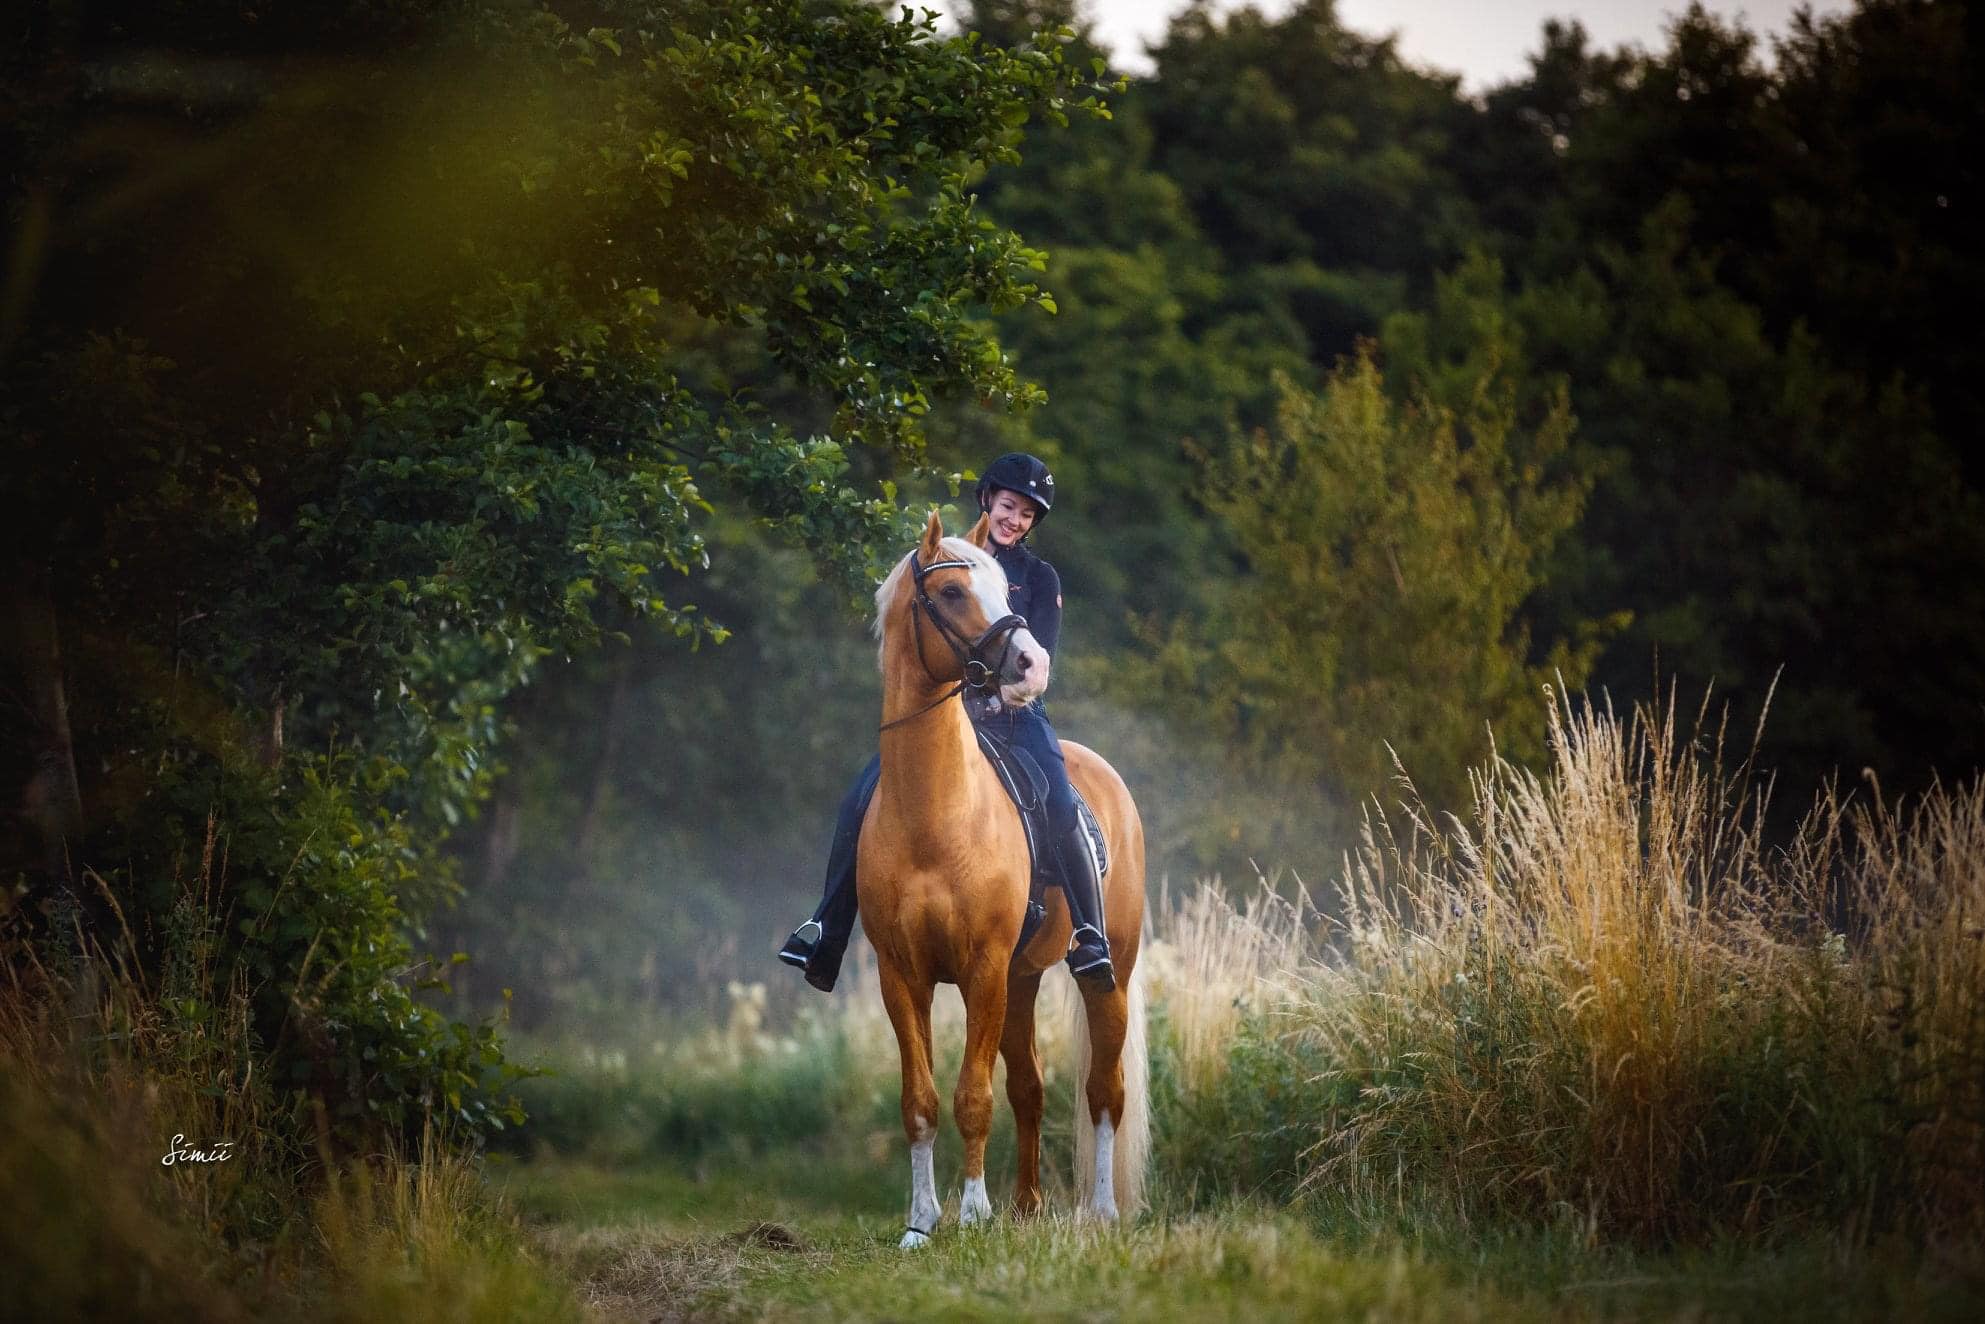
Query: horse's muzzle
(1024, 677)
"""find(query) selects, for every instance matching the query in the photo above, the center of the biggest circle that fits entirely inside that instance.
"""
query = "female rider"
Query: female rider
(1016, 492)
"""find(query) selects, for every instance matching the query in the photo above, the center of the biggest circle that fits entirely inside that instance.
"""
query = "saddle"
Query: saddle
(1028, 786)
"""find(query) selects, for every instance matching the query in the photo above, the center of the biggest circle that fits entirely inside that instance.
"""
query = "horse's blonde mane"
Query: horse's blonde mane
(885, 594)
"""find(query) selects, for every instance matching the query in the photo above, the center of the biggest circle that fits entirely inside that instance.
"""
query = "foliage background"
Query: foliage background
(449, 440)
(1376, 407)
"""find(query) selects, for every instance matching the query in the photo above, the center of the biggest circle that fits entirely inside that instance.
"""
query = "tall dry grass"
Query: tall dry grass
(106, 1069)
(101, 1067)
(416, 1234)
(1213, 962)
(1918, 901)
(1603, 995)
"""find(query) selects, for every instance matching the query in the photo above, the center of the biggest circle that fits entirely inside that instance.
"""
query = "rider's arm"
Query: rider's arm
(1044, 606)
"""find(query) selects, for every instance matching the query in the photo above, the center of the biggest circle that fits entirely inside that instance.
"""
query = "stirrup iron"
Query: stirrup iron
(800, 947)
(1091, 964)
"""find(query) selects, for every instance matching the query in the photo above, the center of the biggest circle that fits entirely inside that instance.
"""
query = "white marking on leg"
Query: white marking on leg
(1103, 1203)
(974, 1206)
(924, 1208)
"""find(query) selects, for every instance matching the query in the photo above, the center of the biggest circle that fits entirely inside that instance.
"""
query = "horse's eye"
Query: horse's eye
(953, 592)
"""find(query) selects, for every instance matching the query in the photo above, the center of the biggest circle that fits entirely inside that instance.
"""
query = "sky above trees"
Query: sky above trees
(1486, 41)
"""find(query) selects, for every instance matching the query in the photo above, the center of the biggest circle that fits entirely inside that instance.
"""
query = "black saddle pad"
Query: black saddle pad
(1028, 786)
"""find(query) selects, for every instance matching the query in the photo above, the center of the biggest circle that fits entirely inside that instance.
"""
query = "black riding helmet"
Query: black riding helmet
(1021, 473)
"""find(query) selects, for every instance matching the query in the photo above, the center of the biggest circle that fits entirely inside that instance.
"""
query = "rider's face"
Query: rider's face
(1012, 515)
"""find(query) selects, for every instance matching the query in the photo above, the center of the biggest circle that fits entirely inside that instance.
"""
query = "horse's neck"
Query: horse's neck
(930, 764)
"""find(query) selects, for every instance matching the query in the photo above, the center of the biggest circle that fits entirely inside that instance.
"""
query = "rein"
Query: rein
(977, 674)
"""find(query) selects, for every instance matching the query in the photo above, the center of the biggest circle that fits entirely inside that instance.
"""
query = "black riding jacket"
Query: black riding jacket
(1033, 590)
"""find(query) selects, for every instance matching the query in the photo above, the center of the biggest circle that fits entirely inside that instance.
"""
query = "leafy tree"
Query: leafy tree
(1760, 315)
(1390, 552)
(344, 397)
(1878, 125)
(1314, 153)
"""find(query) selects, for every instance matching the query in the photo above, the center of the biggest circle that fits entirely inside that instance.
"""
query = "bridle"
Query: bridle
(971, 654)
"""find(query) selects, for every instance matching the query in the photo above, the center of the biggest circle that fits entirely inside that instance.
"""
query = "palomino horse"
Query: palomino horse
(942, 876)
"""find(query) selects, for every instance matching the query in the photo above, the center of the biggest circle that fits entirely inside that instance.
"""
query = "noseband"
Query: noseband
(978, 674)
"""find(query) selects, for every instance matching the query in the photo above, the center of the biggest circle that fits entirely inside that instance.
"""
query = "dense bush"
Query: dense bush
(1252, 1131)
(283, 896)
(105, 1075)
(1603, 999)
(670, 1108)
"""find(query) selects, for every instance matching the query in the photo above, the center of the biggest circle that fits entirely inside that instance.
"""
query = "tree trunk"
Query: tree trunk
(499, 847)
(272, 734)
(52, 800)
(604, 769)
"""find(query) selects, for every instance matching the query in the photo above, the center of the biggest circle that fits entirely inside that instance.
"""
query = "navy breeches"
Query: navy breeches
(838, 902)
(1026, 727)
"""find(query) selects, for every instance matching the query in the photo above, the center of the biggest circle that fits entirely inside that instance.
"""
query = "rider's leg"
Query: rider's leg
(1089, 955)
(818, 945)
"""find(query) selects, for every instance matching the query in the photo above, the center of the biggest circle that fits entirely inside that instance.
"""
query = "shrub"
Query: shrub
(105, 1071)
(1605, 995)
(288, 888)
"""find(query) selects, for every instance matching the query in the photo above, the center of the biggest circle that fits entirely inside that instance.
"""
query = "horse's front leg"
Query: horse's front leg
(985, 1021)
(1023, 1087)
(907, 999)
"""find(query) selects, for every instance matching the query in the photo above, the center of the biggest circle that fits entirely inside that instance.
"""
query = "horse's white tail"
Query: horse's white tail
(1133, 1129)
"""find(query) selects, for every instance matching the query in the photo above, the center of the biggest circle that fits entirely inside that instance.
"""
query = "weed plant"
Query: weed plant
(107, 1070)
(1605, 998)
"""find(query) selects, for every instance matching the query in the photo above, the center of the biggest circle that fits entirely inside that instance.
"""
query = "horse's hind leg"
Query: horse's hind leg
(1109, 1023)
(985, 1020)
(1023, 1087)
(908, 1004)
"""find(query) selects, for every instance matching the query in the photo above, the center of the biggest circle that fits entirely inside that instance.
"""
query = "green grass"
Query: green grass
(779, 1239)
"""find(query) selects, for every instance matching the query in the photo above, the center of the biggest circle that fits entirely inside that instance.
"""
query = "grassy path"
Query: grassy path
(800, 1240)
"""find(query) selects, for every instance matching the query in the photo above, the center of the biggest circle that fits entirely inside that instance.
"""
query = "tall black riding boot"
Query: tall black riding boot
(1089, 954)
(818, 945)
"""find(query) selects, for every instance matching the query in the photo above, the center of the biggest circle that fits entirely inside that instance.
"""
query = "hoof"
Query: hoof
(913, 1240)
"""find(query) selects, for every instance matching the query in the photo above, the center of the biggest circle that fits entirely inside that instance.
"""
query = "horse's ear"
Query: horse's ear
(933, 535)
(981, 533)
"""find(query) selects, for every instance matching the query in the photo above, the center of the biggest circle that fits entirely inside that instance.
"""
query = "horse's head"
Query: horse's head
(946, 602)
